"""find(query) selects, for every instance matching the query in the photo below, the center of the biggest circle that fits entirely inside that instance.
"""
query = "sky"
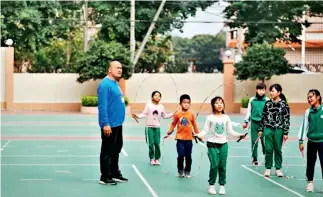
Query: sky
(212, 13)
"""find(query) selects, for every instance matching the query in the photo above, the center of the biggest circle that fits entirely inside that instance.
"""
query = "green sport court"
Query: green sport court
(57, 155)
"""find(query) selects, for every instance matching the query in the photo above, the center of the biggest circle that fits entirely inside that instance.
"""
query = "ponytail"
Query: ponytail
(279, 88)
(283, 97)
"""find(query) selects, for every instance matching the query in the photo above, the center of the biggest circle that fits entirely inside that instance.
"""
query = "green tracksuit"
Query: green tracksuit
(218, 154)
(253, 116)
(314, 130)
(153, 135)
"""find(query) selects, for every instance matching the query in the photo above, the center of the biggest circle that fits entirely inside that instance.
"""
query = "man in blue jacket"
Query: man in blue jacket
(111, 107)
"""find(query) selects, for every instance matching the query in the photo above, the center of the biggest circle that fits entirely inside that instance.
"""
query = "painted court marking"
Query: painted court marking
(89, 179)
(35, 179)
(88, 146)
(61, 151)
(53, 164)
(46, 146)
(4, 146)
(144, 181)
(124, 152)
(60, 171)
(57, 156)
(274, 182)
(293, 165)
(313, 180)
(51, 156)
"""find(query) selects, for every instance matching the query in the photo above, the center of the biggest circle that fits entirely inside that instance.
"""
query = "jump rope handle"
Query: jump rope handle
(242, 137)
(197, 139)
(302, 153)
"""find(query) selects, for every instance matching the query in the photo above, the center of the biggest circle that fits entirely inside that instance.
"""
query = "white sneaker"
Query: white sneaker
(211, 189)
(279, 173)
(267, 173)
(222, 190)
(310, 187)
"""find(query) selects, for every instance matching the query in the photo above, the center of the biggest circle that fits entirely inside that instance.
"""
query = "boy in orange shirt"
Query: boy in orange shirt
(184, 120)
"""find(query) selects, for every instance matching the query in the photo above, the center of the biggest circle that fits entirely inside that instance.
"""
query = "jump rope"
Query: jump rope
(197, 140)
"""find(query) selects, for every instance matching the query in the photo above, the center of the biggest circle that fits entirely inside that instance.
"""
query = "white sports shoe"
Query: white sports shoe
(267, 173)
(279, 173)
(222, 190)
(211, 189)
(310, 187)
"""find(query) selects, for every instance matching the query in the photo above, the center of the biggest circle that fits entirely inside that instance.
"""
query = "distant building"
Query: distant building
(313, 45)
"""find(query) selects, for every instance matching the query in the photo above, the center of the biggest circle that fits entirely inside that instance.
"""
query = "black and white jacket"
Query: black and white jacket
(275, 115)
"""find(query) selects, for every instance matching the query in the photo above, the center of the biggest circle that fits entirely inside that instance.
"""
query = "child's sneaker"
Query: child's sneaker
(267, 173)
(181, 174)
(255, 163)
(222, 190)
(310, 187)
(279, 173)
(152, 162)
(211, 189)
(157, 162)
(187, 175)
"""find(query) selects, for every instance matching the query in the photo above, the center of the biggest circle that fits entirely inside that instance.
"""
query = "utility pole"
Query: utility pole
(240, 42)
(151, 27)
(85, 32)
(303, 40)
(132, 31)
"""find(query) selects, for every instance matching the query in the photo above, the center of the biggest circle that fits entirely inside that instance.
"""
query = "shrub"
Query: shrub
(126, 100)
(244, 102)
(92, 101)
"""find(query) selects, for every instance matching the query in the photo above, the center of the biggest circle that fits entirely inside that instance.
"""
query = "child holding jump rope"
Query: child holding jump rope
(153, 111)
(312, 128)
(216, 125)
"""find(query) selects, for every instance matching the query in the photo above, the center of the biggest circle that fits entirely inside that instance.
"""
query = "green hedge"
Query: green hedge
(92, 101)
(244, 102)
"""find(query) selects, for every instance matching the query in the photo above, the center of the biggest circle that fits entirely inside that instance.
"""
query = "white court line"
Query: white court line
(274, 182)
(35, 179)
(144, 181)
(124, 152)
(292, 165)
(90, 179)
(59, 171)
(78, 156)
(48, 156)
(241, 156)
(4, 146)
(46, 146)
(60, 151)
(239, 147)
(55, 164)
(88, 146)
(313, 180)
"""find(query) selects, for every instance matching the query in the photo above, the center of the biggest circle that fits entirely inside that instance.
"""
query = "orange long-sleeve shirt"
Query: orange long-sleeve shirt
(185, 122)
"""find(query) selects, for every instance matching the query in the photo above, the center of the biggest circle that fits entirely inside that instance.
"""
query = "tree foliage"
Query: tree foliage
(261, 62)
(157, 52)
(34, 24)
(114, 17)
(204, 49)
(59, 56)
(94, 63)
(267, 21)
